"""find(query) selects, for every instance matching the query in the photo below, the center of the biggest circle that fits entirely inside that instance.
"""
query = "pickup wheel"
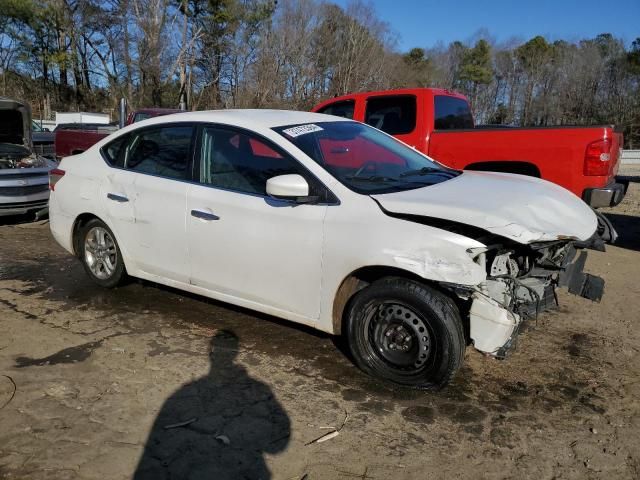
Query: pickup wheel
(405, 332)
(100, 254)
(605, 230)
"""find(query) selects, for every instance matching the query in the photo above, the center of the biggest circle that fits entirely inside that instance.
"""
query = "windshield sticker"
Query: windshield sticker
(294, 132)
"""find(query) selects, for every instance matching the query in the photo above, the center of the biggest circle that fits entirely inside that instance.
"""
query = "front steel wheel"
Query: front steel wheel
(400, 337)
(405, 332)
(100, 254)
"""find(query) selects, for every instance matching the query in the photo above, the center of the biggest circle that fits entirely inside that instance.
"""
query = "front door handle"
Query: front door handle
(204, 215)
(117, 198)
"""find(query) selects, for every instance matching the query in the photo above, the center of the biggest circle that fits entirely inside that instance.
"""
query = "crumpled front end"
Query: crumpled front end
(521, 283)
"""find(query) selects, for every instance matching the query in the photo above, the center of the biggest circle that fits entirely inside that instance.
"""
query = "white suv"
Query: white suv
(330, 223)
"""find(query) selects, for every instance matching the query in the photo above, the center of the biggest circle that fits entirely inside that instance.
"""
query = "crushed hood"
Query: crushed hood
(523, 209)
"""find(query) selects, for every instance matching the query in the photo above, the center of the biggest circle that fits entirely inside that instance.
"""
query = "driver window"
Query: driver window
(163, 151)
(238, 161)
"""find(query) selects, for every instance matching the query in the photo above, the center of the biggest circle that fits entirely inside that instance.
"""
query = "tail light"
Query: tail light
(54, 177)
(597, 158)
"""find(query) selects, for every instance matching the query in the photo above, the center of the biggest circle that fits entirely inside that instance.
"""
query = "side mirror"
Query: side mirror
(289, 187)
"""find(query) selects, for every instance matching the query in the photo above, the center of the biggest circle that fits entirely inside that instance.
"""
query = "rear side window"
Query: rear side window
(394, 115)
(162, 151)
(114, 152)
(343, 109)
(238, 161)
(452, 113)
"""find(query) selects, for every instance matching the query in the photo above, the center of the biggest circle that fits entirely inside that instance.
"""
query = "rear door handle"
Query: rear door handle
(117, 198)
(204, 215)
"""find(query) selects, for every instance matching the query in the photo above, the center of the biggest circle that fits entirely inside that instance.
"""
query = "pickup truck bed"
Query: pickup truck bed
(553, 153)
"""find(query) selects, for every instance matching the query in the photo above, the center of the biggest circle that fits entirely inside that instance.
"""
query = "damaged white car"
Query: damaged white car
(329, 223)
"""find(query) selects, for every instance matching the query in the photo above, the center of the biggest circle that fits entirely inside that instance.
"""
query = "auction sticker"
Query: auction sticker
(294, 132)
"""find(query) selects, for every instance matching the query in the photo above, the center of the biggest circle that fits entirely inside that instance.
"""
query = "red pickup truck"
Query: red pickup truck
(71, 139)
(440, 124)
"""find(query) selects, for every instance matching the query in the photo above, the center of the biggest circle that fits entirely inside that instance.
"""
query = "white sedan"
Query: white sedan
(330, 223)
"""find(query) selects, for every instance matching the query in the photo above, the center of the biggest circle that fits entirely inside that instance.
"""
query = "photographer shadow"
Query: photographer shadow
(218, 426)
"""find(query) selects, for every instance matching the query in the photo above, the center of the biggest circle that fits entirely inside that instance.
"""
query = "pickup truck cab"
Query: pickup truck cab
(440, 124)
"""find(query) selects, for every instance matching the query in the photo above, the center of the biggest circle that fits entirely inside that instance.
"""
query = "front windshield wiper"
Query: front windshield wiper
(426, 171)
(373, 178)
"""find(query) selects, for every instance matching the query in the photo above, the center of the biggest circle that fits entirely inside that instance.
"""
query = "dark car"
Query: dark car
(24, 175)
(44, 141)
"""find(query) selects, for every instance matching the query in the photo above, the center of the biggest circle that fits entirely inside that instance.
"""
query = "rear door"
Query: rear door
(147, 200)
(244, 244)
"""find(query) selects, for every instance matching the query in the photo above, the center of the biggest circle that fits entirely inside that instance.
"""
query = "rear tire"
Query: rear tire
(100, 254)
(405, 332)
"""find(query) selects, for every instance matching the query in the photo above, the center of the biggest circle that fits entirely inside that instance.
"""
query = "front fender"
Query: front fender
(382, 241)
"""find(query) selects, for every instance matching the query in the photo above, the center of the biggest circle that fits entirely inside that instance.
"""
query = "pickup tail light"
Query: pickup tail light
(597, 158)
(54, 177)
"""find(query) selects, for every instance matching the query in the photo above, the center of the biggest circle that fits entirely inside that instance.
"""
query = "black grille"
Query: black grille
(45, 149)
(21, 173)
(25, 190)
(34, 204)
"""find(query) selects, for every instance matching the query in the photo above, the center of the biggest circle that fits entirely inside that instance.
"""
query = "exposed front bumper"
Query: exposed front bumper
(494, 323)
(608, 196)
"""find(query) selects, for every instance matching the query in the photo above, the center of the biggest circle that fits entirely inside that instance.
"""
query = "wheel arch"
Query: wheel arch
(361, 278)
(79, 222)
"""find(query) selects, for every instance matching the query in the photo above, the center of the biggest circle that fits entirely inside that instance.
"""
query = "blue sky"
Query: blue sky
(423, 23)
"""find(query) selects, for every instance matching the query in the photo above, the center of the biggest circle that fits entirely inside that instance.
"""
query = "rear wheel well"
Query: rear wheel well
(520, 168)
(77, 226)
(363, 277)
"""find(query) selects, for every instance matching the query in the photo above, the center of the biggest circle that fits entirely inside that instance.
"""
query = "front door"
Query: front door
(242, 243)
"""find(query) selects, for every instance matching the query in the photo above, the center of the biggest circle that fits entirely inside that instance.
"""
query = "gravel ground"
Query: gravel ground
(148, 381)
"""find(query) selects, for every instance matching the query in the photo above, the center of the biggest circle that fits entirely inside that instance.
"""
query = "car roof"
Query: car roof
(247, 118)
(157, 110)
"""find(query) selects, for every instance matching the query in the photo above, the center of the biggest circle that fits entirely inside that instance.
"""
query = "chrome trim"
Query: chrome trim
(117, 198)
(204, 215)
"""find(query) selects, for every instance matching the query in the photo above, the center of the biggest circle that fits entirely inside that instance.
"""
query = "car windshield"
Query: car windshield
(364, 159)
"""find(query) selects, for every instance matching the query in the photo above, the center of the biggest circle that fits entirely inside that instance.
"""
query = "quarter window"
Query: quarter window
(237, 161)
(163, 151)
(344, 109)
(395, 115)
(114, 152)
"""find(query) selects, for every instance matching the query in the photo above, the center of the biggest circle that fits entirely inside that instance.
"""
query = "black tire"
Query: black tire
(113, 271)
(381, 317)
(605, 230)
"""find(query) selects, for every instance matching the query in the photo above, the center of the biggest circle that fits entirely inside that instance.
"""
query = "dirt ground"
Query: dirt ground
(90, 379)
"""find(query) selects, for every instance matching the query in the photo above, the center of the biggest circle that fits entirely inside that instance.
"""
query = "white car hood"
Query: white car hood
(523, 209)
